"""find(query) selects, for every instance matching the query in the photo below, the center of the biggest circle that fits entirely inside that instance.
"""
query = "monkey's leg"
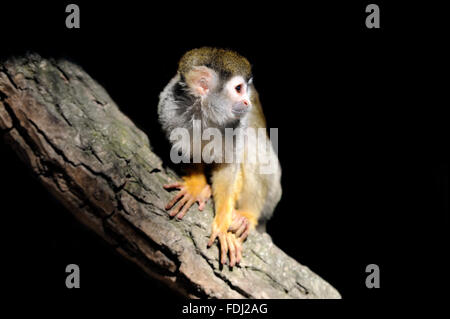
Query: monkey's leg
(226, 184)
(250, 200)
(194, 188)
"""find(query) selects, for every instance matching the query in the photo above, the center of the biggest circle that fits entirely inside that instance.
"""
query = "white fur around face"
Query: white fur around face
(231, 85)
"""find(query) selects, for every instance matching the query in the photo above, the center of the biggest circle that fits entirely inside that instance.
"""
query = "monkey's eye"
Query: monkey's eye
(238, 88)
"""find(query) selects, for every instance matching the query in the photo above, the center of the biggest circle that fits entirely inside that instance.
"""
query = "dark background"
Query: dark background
(362, 137)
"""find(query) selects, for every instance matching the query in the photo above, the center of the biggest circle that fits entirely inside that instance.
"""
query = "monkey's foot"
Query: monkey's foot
(193, 189)
(240, 225)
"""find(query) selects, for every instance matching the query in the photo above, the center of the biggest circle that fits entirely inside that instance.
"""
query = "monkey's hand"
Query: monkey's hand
(229, 245)
(193, 189)
(231, 235)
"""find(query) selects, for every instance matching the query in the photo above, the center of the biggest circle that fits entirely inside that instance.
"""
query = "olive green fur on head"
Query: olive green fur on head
(226, 62)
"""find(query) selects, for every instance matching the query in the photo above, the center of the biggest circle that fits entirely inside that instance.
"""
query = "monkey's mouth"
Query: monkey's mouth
(239, 112)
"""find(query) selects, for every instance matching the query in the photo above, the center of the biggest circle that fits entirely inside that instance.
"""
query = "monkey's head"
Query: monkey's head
(220, 79)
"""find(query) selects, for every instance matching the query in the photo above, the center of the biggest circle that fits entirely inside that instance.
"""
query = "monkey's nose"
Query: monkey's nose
(246, 102)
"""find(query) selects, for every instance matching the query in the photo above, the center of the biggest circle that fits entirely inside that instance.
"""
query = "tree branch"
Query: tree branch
(96, 162)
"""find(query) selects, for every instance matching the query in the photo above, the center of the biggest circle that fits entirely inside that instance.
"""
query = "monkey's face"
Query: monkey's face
(237, 91)
(226, 100)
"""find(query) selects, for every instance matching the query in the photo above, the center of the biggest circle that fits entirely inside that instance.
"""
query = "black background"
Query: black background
(362, 138)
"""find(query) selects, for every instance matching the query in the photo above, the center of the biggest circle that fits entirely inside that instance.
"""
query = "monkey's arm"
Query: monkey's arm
(193, 188)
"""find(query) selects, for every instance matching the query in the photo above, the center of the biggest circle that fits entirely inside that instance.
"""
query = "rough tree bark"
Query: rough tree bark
(100, 166)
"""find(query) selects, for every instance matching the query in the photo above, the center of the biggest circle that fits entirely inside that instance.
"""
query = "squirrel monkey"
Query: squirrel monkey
(214, 87)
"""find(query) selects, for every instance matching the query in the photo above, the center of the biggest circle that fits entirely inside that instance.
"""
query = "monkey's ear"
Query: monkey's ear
(201, 80)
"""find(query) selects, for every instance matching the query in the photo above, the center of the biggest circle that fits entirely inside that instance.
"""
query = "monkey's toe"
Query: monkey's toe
(240, 226)
(235, 249)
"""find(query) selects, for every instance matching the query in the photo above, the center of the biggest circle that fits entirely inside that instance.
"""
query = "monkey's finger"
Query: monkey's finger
(177, 208)
(236, 224)
(201, 204)
(223, 248)
(213, 237)
(238, 246)
(242, 228)
(245, 234)
(173, 185)
(231, 248)
(175, 199)
(208, 192)
(185, 208)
